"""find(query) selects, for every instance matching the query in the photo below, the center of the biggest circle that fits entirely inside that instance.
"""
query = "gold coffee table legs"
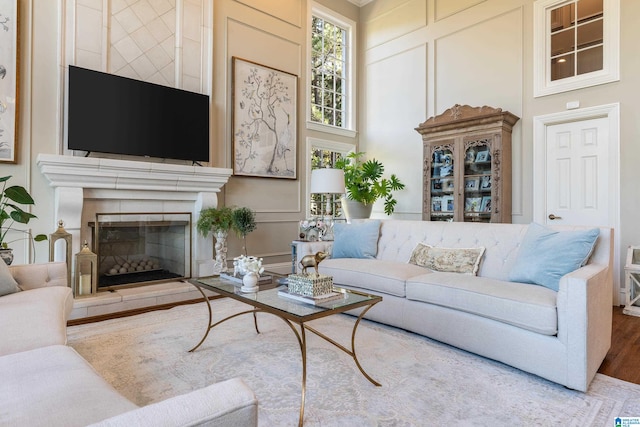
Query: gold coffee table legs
(351, 352)
(302, 342)
(211, 326)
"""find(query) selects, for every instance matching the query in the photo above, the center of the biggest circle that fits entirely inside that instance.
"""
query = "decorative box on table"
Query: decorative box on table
(310, 285)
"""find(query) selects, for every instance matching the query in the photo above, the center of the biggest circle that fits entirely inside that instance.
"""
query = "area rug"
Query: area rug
(424, 382)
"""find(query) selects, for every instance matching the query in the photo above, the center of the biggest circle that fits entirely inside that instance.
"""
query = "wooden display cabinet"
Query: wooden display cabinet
(467, 165)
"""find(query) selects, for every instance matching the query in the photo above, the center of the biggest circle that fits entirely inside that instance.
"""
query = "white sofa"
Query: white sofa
(562, 336)
(46, 383)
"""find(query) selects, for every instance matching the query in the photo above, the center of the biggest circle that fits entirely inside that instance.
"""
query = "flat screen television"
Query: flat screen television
(118, 115)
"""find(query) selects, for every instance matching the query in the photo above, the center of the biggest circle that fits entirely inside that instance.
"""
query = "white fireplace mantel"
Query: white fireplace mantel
(89, 172)
(85, 186)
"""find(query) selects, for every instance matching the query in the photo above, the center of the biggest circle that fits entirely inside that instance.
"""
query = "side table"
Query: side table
(632, 281)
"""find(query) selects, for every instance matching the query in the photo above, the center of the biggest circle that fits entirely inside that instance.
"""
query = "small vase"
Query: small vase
(250, 282)
(6, 255)
(221, 251)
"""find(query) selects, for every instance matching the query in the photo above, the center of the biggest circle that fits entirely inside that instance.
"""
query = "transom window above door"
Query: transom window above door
(576, 38)
(576, 44)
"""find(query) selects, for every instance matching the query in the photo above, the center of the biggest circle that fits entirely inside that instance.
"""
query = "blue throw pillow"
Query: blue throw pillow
(357, 240)
(546, 255)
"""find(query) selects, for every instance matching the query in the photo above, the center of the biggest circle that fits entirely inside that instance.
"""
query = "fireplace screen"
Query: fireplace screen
(136, 249)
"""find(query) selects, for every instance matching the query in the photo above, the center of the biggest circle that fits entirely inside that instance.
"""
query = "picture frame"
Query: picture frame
(436, 204)
(482, 156)
(264, 117)
(470, 155)
(473, 204)
(448, 185)
(9, 76)
(471, 184)
(485, 182)
(485, 206)
(436, 185)
(447, 203)
(446, 170)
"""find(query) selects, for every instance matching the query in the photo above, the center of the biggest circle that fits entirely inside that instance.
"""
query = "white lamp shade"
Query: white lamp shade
(327, 181)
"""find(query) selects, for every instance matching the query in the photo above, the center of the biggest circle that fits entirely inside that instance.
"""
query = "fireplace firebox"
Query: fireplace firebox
(136, 249)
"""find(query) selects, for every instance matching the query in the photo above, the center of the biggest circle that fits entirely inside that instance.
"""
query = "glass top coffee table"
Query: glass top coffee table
(293, 312)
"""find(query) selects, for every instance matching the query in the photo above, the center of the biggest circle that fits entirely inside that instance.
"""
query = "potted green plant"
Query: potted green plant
(364, 182)
(244, 222)
(217, 221)
(11, 212)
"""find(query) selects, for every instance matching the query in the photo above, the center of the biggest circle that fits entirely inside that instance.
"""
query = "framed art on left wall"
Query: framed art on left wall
(8, 80)
(264, 121)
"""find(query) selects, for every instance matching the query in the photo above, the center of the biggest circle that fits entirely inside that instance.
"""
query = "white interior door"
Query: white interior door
(576, 178)
(577, 187)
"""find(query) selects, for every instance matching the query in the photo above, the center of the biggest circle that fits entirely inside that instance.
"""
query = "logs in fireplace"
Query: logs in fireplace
(137, 249)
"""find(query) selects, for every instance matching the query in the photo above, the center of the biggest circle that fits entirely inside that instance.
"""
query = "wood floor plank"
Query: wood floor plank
(623, 357)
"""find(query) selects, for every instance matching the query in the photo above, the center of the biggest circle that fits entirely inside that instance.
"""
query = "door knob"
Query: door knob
(552, 217)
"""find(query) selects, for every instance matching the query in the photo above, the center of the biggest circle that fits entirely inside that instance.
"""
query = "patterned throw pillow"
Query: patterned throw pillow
(455, 260)
(8, 284)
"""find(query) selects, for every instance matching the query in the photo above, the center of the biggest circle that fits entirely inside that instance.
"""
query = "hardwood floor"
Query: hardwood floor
(622, 360)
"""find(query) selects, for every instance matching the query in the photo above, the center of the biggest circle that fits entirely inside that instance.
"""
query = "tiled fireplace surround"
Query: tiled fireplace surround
(86, 186)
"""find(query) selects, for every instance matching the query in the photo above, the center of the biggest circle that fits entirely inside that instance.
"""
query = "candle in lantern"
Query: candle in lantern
(85, 284)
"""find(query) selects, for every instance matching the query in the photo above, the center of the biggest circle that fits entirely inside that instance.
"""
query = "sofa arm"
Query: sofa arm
(585, 310)
(32, 276)
(228, 403)
(302, 248)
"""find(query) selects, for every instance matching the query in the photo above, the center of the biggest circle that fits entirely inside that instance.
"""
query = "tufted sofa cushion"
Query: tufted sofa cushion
(399, 238)
(387, 277)
(32, 276)
(526, 306)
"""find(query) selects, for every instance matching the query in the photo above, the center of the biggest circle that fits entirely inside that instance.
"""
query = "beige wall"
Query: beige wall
(415, 59)
(272, 33)
(421, 57)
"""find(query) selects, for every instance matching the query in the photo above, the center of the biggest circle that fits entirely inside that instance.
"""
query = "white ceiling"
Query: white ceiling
(360, 2)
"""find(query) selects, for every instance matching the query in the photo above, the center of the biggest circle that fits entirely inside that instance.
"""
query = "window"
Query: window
(576, 38)
(331, 67)
(576, 44)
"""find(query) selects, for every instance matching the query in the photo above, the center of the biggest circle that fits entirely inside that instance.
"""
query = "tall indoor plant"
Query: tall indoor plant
(364, 182)
(11, 212)
(217, 221)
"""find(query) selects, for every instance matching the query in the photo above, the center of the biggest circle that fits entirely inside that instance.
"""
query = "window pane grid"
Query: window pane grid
(328, 64)
(577, 43)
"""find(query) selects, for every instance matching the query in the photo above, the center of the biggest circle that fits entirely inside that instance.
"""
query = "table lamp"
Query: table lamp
(327, 181)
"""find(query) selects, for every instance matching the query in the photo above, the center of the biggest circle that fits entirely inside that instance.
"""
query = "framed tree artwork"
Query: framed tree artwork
(8, 80)
(264, 121)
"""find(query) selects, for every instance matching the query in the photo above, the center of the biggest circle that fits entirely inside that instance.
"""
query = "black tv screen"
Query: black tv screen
(112, 114)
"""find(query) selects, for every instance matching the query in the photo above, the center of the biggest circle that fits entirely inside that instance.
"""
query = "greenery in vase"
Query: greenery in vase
(215, 219)
(364, 182)
(244, 222)
(10, 211)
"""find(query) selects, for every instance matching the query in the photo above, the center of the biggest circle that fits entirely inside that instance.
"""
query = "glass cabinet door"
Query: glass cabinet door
(477, 181)
(442, 185)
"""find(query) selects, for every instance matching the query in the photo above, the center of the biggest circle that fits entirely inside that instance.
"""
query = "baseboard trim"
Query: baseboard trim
(133, 312)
